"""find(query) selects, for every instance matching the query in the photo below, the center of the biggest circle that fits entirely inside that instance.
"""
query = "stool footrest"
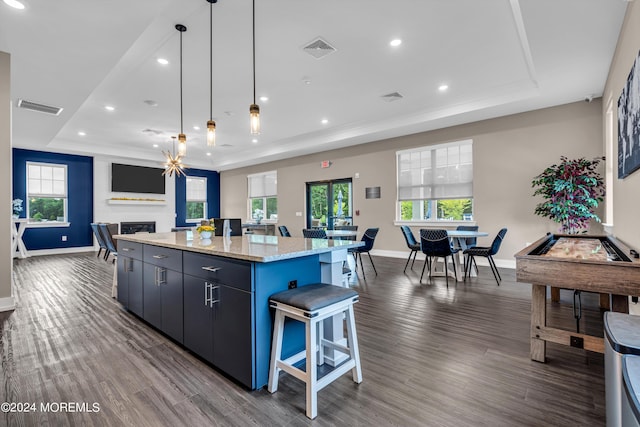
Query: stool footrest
(335, 374)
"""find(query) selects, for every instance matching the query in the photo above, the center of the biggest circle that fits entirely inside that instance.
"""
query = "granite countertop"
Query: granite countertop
(248, 247)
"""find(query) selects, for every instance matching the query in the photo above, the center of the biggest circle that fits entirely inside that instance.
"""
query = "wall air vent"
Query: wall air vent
(319, 48)
(34, 106)
(390, 97)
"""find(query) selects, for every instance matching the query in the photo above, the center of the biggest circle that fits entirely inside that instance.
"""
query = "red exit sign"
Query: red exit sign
(325, 164)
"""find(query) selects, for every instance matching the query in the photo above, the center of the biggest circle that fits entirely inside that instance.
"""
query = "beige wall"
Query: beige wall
(6, 263)
(626, 194)
(508, 153)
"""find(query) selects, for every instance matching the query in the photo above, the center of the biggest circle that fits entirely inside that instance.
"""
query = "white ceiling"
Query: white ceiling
(497, 56)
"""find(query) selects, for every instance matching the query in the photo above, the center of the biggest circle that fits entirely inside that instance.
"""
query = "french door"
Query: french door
(329, 203)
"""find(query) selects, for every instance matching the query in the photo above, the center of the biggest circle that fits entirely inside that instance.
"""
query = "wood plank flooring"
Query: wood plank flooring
(430, 356)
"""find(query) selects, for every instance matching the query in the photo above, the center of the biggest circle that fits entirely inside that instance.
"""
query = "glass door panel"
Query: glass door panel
(329, 203)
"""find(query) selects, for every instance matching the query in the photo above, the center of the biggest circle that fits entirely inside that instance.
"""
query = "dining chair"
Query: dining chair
(487, 252)
(412, 244)
(101, 243)
(469, 242)
(435, 243)
(106, 231)
(284, 232)
(314, 233)
(369, 239)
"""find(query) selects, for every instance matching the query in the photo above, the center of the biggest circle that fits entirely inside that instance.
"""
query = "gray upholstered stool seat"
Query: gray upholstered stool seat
(314, 297)
(312, 305)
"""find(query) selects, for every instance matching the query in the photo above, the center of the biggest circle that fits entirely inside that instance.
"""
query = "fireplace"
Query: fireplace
(136, 227)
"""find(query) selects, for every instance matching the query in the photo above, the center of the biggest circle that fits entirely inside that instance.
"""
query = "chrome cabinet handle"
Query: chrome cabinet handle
(212, 269)
(213, 301)
(128, 249)
(128, 265)
(161, 276)
(160, 256)
(207, 285)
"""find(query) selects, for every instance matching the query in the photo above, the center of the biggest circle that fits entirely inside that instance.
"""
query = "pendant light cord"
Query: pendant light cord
(210, 61)
(254, 51)
(181, 83)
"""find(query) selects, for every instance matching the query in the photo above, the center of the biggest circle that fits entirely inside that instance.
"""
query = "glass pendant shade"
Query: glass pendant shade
(182, 144)
(254, 117)
(211, 133)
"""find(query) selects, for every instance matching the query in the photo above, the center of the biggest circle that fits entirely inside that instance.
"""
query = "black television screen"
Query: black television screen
(136, 179)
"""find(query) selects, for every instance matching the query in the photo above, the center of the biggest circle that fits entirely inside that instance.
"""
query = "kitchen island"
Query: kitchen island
(211, 295)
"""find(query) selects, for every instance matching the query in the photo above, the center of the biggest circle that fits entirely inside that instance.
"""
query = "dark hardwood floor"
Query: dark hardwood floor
(430, 356)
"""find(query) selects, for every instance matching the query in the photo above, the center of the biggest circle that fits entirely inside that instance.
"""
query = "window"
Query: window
(436, 183)
(46, 192)
(196, 199)
(263, 200)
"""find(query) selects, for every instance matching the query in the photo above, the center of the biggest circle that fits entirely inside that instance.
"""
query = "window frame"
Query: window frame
(265, 192)
(187, 199)
(423, 202)
(40, 195)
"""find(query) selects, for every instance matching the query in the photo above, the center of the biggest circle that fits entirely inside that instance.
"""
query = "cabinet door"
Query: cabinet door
(198, 333)
(171, 305)
(134, 274)
(232, 334)
(153, 277)
(123, 280)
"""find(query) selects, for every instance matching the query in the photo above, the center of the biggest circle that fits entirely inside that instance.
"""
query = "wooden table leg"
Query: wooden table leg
(538, 321)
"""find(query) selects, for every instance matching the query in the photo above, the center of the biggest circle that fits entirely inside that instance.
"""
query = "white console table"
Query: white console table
(18, 249)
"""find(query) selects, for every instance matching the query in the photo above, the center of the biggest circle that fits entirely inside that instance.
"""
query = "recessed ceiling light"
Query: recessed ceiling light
(81, 133)
(255, 141)
(196, 128)
(395, 42)
(325, 121)
(442, 88)
(264, 98)
(109, 108)
(162, 61)
(155, 145)
(14, 3)
(150, 102)
(208, 154)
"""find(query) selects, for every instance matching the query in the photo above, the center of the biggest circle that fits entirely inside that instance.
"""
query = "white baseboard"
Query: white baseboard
(7, 304)
(502, 263)
(59, 251)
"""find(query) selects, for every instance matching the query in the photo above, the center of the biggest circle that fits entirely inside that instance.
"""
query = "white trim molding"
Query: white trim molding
(7, 304)
(60, 251)
(502, 263)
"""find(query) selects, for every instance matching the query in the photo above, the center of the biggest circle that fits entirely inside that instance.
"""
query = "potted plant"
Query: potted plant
(572, 191)
(205, 231)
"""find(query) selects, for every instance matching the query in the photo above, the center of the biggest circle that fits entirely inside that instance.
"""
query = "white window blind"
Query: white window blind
(196, 189)
(45, 180)
(436, 172)
(263, 184)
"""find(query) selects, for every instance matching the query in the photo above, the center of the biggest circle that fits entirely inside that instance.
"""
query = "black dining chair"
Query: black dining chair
(369, 239)
(107, 233)
(314, 233)
(101, 243)
(487, 252)
(435, 243)
(412, 244)
(284, 232)
(469, 242)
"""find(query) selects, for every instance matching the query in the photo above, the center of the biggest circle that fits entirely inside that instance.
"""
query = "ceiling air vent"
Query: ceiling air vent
(390, 97)
(34, 106)
(319, 48)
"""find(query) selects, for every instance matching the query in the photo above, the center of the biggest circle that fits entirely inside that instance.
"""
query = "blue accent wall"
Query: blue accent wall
(213, 195)
(79, 199)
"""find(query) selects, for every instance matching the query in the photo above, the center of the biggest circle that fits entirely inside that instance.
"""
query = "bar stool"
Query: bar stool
(311, 305)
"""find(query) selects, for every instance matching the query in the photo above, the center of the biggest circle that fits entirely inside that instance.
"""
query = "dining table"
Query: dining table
(342, 234)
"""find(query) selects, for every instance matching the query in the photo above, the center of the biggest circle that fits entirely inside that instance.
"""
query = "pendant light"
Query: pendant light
(173, 162)
(254, 110)
(211, 124)
(182, 138)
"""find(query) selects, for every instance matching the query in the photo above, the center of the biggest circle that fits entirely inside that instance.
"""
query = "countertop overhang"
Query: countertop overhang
(249, 247)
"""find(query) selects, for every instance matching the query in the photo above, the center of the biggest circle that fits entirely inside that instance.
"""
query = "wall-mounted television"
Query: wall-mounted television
(137, 179)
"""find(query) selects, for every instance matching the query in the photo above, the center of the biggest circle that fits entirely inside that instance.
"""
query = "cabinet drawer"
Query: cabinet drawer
(130, 249)
(163, 257)
(234, 273)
